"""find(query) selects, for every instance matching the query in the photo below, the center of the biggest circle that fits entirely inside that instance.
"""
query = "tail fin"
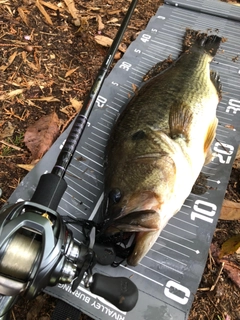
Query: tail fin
(194, 40)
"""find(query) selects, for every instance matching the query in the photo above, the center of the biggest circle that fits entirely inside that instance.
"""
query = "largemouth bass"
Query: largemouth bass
(160, 143)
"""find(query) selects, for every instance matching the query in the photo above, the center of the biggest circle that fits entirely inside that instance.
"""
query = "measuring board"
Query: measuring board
(169, 275)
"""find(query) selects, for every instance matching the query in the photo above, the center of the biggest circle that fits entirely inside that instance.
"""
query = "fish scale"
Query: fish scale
(169, 275)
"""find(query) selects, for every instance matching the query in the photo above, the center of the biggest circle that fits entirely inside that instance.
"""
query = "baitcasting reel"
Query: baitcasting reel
(38, 250)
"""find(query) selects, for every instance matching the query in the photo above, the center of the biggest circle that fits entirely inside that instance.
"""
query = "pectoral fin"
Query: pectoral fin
(180, 120)
(209, 140)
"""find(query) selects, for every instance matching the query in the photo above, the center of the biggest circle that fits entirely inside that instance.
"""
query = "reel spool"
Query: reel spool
(36, 250)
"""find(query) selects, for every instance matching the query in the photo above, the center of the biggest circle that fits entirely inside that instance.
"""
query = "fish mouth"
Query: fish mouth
(145, 227)
(140, 218)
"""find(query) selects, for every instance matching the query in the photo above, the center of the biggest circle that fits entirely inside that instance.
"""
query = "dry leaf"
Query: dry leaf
(44, 12)
(27, 167)
(230, 246)
(47, 99)
(11, 94)
(32, 104)
(40, 136)
(69, 72)
(103, 40)
(118, 55)
(71, 7)
(113, 20)
(94, 8)
(122, 47)
(135, 88)
(233, 273)
(23, 15)
(83, 25)
(31, 65)
(50, 6)
(107, 42)
(100, 23)
(24, 56)
(7, 132)
(111, 12)
(10, 61)
(12, 57)
(230, 210)
(229, 126)
(77, 105)
(65, 110)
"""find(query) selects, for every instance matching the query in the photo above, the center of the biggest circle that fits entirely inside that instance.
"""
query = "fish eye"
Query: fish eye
(115, 195)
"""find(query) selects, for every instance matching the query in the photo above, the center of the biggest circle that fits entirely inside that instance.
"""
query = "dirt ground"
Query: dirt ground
(48, 58)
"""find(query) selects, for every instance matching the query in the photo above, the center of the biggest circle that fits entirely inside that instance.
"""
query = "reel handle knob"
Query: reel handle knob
(120, 291)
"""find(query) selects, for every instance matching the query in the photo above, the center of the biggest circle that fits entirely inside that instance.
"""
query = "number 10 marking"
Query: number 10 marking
(203, 210)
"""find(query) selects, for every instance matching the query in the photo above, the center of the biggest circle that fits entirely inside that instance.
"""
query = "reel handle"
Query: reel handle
(120, 291)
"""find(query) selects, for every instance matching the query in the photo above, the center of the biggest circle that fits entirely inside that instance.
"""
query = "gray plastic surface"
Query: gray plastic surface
(169, 275)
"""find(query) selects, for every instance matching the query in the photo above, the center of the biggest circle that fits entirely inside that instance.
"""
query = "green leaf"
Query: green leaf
(230, 246)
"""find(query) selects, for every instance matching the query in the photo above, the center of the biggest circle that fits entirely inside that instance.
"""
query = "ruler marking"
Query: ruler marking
(74, 182)
(180, 245)
(72, 174)
(93, 153)
(148, 55)
(96, 135)
(88, 166)
(69, 213)
(111, 115)
(169, 248)
(172, 225)
(83, 203)
(116, 110)
(103, 125)
(97, 206)
(142, 275)
(135, 78)
(162, 264)
(147, 64)
(143, 73)
(90, 159)
(119, 100)
(86, 173)
(107, 121)
(100, 144)
(70, 204)
(90, 145)
(171, 258)
(164, 230)
(117, 104)
(184, 221)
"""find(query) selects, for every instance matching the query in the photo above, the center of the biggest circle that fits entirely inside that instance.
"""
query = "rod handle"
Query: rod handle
(120, 291)
(49, 191)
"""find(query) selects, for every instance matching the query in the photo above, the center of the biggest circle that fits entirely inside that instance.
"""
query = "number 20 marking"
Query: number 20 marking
(223, 149)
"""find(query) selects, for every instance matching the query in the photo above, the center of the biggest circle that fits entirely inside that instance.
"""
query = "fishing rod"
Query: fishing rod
(50, 188)
(37, 249)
